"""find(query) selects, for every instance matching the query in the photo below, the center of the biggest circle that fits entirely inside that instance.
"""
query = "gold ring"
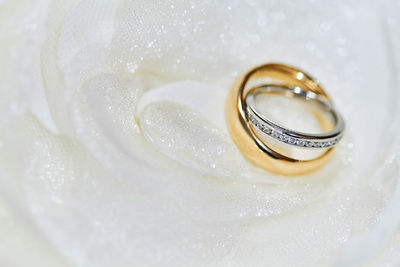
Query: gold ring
(255, 150)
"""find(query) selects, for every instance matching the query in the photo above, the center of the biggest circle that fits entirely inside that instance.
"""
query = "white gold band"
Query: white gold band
(288, 136)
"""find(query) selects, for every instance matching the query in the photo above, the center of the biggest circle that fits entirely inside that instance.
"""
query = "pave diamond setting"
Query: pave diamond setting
(288, 139)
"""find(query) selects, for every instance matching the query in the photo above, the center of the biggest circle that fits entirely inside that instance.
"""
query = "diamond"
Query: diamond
(291, 140)
(300, 142)
(283, 138)
(309, 144)
(251, 118)
(267, 130)
(275, 134)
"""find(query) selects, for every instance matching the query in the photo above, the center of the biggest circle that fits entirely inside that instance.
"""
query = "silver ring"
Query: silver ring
(288, 136)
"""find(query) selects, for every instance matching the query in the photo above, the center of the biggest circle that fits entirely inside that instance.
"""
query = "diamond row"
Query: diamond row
(289, 139)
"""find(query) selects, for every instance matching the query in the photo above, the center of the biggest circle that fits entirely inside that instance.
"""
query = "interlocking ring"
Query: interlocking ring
(250, 129)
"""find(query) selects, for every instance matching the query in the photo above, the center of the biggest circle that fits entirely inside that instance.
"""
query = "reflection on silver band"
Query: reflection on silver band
(291, 137)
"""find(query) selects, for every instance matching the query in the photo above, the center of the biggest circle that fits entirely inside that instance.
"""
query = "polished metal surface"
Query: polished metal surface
(246, 137)
(287, 135)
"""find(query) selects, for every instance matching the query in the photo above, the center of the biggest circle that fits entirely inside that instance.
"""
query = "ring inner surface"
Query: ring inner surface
(294, 109)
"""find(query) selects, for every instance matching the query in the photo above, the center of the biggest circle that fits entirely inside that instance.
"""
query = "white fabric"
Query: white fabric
(114, 149)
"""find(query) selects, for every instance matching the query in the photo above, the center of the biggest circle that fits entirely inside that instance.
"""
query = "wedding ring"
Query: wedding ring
(286, 135)
(246, 131)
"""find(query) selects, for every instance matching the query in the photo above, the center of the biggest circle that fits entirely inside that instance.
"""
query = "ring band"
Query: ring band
(252, 147)
(288, 136)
